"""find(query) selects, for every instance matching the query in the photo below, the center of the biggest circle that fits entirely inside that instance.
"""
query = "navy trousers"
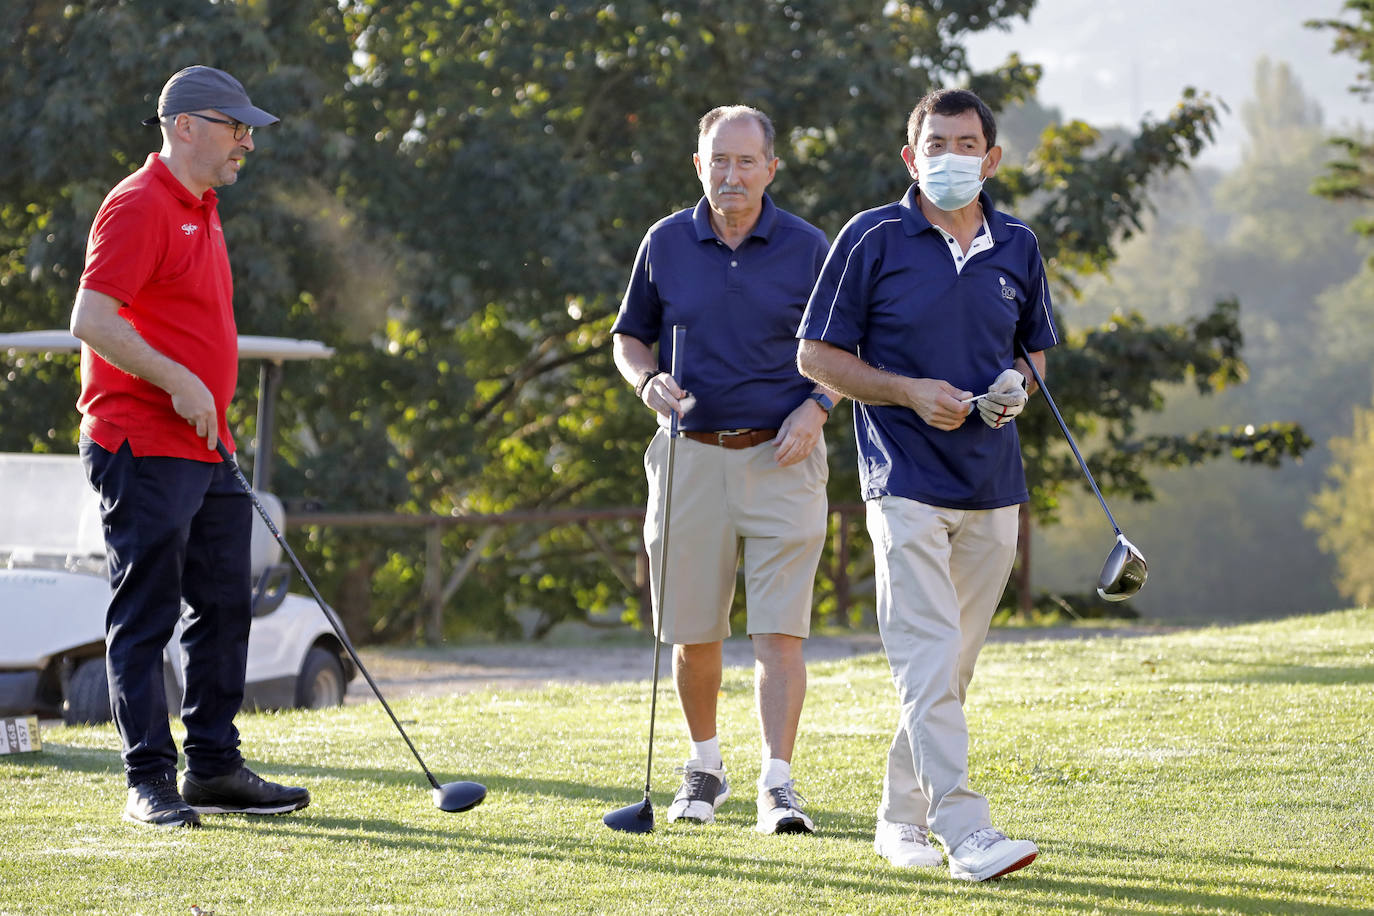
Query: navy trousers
(174, 528)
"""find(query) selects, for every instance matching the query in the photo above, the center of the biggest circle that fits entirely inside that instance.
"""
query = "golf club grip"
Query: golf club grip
(679, 338)
(1068, 436)
(328, 614)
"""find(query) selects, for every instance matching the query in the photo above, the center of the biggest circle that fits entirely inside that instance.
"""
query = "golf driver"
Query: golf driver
(1124, 572)
(639, 817)
(451, 796)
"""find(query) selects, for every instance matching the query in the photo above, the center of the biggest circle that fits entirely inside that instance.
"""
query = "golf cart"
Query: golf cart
(54, 590)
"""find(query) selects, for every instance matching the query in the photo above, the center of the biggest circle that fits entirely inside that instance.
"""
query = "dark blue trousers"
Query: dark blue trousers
(174, 528)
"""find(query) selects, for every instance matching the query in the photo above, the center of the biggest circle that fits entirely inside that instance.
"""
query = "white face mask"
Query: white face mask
(949, 181)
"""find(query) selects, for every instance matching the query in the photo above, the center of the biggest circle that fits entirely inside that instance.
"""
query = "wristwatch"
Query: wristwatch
(826, 404)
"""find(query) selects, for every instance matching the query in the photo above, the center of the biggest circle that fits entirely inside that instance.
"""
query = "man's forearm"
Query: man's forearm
(848, 375)
(96, 322)
(633, 357)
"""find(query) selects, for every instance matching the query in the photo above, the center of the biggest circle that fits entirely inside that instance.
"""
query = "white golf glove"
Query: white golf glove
(1006, 398)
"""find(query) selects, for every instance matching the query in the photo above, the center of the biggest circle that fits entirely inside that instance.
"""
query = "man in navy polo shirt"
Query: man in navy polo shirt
(921, 303)
(736, 272)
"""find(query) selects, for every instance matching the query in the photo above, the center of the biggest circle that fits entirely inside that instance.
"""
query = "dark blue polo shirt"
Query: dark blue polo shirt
(741, 310)
(890, 293)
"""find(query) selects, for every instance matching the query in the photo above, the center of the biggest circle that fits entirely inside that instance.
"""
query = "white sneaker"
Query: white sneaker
(780, 810)
(701, 793)
(906, 845)
(988, 854)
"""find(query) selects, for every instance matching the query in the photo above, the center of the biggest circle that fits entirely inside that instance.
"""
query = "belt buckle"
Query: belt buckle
(722, 434)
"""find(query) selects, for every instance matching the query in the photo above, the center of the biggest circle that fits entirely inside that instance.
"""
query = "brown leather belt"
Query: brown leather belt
(732, 438)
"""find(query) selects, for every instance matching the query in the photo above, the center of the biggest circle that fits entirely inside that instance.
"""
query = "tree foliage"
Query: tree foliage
(1351, 175)
(1343, 512)
(453, 198)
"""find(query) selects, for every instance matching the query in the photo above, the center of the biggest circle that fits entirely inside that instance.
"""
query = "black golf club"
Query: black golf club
(451, 796)
(639, 817)
(1124, 572)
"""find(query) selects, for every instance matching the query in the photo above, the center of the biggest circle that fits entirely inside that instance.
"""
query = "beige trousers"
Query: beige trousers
(940, 573)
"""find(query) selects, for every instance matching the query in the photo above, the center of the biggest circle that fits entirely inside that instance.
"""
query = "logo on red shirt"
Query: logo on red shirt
(189, 228)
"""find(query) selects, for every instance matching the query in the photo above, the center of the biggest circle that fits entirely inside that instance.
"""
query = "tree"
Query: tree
(1343, 512)
(454, 197)
(1340, 510)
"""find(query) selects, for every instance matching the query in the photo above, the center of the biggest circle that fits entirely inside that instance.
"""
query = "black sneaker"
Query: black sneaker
(158, 804)
(241, 792)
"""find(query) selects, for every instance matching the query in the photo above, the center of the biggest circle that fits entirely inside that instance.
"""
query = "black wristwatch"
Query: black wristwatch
(826, 404)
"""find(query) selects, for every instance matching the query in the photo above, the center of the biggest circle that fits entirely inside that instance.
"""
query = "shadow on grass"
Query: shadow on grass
(1303, 674)
(1121, 874)
(1111, 872)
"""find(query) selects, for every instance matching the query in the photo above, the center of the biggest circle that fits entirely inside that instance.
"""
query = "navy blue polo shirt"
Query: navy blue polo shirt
(741, 310)
(890, 293)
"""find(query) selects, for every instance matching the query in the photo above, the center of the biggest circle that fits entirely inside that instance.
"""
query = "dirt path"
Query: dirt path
(440, 672)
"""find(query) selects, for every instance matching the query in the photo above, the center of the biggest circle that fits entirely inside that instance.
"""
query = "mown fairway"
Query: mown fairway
(1225, 770)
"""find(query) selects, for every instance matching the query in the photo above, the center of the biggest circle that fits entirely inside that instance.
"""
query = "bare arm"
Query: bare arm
(935, 401)
(1039, 357)
(96, 322)
(634, 358)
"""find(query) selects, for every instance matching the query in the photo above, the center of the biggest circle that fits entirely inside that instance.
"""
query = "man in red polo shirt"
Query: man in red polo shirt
(158, 368)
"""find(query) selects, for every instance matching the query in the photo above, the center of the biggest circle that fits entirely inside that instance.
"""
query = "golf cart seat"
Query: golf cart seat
(49, 514)
(271, 577)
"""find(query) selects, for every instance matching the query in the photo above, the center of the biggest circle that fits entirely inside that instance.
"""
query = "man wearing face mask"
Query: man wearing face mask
(920, 304)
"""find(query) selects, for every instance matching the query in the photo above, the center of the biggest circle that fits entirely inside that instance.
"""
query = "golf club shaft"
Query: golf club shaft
(1067, 435)
(679, 337)
(328, 614)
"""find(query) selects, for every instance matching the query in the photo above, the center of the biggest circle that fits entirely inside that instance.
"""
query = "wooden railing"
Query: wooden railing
(434, 594)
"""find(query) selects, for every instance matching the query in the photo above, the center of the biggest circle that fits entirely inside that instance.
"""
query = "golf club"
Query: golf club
(1124, 572)
(639, 817)
(451, 796)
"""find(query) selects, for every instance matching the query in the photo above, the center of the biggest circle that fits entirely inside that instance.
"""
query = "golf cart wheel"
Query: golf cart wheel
(88, 695)
(322, 681)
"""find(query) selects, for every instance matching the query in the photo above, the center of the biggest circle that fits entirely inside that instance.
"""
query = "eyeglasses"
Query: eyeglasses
(241, 130)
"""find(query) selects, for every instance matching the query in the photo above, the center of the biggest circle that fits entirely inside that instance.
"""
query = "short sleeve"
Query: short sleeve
(837, 312)
(1035, 329)
(641, 311)
(121, 255)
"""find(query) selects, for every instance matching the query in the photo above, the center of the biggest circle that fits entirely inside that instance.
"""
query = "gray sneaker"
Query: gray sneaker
(701, 793)
(989, 853)
(780, 810)
(906, 845)
(158, 804)
(241, 792)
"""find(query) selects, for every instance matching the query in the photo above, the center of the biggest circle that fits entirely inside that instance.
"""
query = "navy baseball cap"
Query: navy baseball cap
(205, 87)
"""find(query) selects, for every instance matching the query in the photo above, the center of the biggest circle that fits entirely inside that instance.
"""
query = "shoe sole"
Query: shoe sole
(938, 863)
(258, 809)
(1005, 870)
(710, 819)
(170, 825)
(787, 825)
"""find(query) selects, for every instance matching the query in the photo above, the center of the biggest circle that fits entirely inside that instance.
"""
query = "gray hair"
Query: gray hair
(730, 113)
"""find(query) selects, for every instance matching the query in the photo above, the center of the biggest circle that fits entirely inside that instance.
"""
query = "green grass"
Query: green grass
(1225, 770)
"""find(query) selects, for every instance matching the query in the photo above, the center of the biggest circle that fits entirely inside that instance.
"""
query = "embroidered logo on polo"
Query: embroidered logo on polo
(189, 228)
(1007, 291)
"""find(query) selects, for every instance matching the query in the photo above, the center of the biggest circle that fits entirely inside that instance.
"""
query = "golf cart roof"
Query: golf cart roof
(251, 346)
(271, 352)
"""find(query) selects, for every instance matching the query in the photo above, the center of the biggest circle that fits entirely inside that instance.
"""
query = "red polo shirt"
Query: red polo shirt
(160, 251)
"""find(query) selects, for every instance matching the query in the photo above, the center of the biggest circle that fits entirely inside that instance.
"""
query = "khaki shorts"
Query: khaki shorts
(722, 497)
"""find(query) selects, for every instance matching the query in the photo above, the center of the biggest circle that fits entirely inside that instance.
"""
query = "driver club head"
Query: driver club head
(1124, 572)
(636, 818)
(459, 796)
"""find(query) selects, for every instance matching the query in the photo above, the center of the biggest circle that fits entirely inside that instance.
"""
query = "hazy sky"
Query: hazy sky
(1111, 61)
